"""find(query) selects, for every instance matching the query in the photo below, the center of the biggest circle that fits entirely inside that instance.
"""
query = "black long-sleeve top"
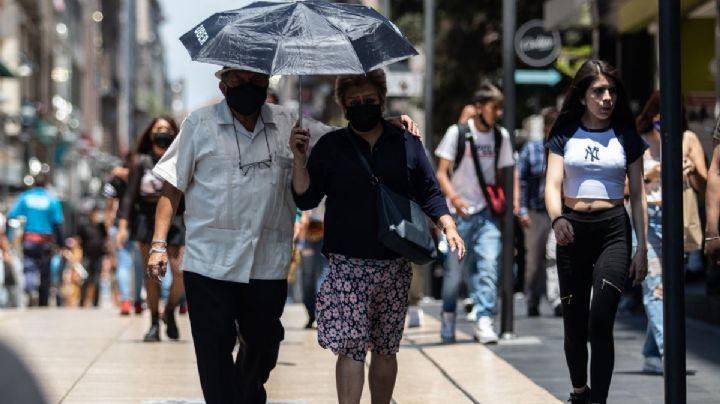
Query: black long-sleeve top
(143, 190)
(351, 221)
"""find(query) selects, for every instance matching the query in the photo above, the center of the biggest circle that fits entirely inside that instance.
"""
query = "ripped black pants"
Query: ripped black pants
(598, 260)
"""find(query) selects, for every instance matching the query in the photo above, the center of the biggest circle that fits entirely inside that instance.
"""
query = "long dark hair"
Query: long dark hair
(644, 121)
(573, 110)
(143, 145)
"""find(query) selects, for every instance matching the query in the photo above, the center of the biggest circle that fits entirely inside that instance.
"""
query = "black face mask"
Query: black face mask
(162, 139)
(364, 117)
(245, 99)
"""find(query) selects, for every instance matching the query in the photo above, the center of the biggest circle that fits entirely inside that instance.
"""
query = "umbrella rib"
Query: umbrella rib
(345, 35)
(277, 48)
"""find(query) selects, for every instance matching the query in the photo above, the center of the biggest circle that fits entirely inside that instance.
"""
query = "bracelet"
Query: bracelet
(163, 242)
(552, 225)
(158, 250)
(712, 238)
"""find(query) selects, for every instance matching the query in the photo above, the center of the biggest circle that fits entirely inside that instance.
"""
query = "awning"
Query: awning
(4, 71)
(634, 15)
(559, 14)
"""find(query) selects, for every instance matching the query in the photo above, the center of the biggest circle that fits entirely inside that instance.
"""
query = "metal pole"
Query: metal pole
(508, 233)
(6, 163)
(429, 70)
(386, 8)
(672, 248)
(132, 67)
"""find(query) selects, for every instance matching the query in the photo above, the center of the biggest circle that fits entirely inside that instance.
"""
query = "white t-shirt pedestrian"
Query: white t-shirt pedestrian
(464, 179)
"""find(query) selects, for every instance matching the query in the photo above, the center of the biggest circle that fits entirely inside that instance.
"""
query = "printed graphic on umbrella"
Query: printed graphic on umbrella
(299, 38)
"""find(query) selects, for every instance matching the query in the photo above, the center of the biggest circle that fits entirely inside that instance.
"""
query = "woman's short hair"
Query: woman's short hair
(374, 77)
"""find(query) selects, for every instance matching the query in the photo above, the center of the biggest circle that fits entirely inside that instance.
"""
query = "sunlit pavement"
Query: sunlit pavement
(97, 356)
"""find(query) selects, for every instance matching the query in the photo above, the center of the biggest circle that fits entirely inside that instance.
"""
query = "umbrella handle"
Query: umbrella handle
(300, 108)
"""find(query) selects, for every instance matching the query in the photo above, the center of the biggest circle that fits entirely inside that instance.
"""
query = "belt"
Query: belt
(38, 238)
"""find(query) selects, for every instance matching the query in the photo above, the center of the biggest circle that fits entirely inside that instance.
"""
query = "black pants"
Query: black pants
(598, 260)
(93, 266)
(220, 313)
(36, 259)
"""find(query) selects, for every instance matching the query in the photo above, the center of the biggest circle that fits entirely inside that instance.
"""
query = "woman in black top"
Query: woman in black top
(362, 303)
(137, 212)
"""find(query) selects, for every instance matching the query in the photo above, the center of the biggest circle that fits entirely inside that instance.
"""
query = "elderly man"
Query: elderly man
(232, 163)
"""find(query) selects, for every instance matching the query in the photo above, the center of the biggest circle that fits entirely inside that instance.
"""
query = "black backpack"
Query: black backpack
(464, 133)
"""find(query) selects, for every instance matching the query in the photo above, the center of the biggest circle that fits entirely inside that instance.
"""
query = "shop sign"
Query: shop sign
(536, 46)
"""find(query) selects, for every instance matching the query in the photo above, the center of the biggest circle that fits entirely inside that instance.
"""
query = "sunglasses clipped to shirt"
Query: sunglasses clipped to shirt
(245, 169)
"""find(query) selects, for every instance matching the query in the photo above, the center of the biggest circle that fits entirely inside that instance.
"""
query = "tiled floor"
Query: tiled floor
(96, 356)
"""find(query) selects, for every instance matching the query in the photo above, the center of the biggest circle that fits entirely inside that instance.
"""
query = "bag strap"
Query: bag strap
(463, 132)
(373, 179)
(478, 171)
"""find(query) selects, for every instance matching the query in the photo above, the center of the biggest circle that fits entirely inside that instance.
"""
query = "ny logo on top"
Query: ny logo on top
(201, 34)
(592, 152)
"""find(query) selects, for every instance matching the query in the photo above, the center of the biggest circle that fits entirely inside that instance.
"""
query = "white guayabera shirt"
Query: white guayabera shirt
(239, 222)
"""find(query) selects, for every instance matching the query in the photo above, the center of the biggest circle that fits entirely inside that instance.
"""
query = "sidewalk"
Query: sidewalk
(538, 353)
(96, 356)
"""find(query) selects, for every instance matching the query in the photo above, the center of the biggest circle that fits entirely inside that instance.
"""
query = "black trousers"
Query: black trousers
(222, 312)
(36, 258)
(93, 265)
(598, 261)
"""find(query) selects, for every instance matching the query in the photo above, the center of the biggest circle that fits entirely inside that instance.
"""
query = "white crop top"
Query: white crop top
(595, 161)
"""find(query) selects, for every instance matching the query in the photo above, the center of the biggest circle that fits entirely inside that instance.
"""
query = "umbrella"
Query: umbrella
(299, 38)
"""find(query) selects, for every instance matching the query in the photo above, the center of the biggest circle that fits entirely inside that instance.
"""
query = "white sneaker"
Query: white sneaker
(654, 365)
(447, 328)
(484, 331)
(415, 317)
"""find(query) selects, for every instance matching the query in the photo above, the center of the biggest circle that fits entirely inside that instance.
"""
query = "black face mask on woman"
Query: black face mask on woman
(246, 98)
(364, 117)
(162, 139)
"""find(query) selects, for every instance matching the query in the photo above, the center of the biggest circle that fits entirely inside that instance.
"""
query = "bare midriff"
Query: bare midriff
(589, 205)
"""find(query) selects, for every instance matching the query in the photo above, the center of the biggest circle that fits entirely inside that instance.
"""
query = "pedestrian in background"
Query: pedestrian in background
(593, 146)
(43, 229)
(93, 237)
(137, 213)
(477, 224)
(126, 272)
(695, 176)
(9, 278)
(313, 264)
(712, 214)
(533, 216)
(363, 302)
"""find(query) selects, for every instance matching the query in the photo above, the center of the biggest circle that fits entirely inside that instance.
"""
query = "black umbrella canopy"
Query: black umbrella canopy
(309, 37)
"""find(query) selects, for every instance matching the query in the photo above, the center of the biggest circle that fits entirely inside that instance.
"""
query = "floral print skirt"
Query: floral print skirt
(361, 306)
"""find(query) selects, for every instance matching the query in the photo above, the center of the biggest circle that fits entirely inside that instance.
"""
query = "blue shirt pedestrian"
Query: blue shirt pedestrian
(42, 211)
(531, 165)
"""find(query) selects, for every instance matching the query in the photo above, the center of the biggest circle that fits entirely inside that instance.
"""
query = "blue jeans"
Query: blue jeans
(481, 234)
(653, 303)
(127, 260)
(314, 267)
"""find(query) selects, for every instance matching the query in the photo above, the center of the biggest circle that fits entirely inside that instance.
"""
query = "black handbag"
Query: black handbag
(402, 224)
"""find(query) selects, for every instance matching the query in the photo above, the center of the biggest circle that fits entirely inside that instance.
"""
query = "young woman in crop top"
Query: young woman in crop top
(137, 213)
(593, 147)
